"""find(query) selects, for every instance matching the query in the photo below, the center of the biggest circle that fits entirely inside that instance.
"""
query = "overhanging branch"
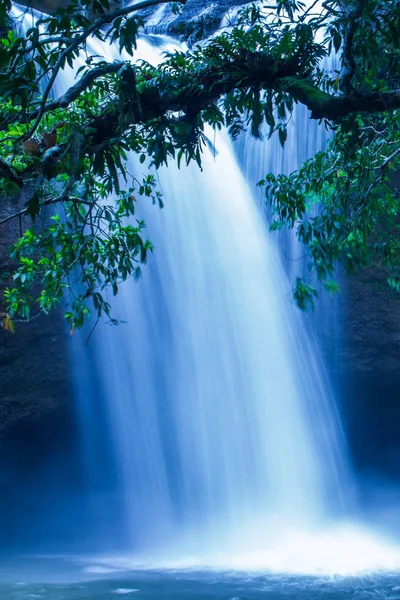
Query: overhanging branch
(215, 83)
(251, 70)
(326, 106)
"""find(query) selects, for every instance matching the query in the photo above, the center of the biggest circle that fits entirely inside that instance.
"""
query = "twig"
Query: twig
(24, 211)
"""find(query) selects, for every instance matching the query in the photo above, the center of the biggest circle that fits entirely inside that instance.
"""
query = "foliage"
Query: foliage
(64, 158)
(343, 203)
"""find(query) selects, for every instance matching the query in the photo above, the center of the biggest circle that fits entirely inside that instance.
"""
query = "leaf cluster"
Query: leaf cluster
(64, 155)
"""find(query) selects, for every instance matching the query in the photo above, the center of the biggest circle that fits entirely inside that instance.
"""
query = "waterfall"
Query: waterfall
(258, 157)
(210, 432)
(221, 428)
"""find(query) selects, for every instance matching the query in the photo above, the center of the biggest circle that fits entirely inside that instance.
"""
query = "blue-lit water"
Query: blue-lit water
(222, 427)
(224, 448)
(69, 581)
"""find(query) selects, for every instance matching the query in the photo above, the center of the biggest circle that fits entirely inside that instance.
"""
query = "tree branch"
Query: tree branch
(76, 90)
(215, 83)
(326, 106)
(66, 99)
(76, 43)
(49, 202)
(256, 70)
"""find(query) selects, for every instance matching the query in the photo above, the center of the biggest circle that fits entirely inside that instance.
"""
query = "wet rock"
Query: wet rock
(34, 374)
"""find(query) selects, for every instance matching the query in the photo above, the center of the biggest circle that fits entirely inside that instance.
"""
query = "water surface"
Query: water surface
(50, 579)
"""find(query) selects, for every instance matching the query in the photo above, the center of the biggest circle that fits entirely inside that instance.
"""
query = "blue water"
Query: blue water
(69, 581)
(224, 445)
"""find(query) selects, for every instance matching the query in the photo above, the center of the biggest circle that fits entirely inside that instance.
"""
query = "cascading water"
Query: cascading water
(259, 157)
(222, 426)
(207, 410)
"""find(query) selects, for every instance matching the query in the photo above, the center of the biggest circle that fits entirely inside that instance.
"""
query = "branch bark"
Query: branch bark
(76, 90)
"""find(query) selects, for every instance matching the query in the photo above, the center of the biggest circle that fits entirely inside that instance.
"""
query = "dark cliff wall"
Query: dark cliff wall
(368, 372)
(33, 361)
(37, 425)
(371, 336)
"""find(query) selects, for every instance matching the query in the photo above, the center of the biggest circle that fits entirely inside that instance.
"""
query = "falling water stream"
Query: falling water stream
(223, 427)
(224, 445)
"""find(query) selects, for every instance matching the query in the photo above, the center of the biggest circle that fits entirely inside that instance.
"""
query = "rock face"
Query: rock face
(33, 372)
(33, 361)
(195, 20)
(368, 372)
(371, 340)
(36, 412)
